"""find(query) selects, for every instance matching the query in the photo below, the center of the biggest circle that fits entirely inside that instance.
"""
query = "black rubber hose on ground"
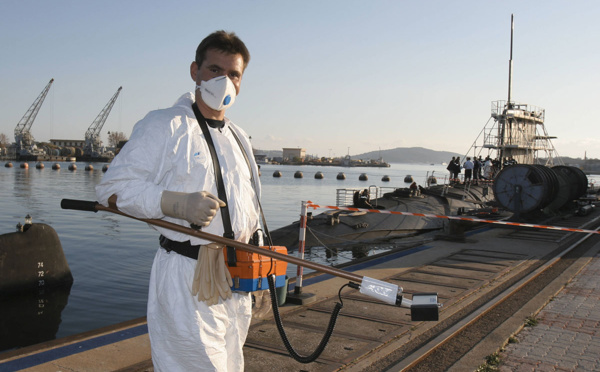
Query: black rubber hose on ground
(312, 357)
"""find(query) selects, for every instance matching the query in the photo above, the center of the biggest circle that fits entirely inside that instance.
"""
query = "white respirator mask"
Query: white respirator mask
(218, 93)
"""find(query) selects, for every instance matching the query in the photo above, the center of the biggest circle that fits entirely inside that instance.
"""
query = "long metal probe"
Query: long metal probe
(92, 206)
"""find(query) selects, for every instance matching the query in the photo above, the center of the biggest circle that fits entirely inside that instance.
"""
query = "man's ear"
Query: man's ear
(194, 71)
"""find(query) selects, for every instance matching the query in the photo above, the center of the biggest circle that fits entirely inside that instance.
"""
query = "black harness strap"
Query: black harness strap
(231, 256)
(253, 181)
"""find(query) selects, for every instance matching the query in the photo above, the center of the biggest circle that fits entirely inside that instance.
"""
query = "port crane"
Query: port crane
(23, 137)
(92, 135)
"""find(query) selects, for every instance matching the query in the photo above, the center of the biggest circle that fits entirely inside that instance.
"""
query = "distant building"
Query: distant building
(67, 143)
(261, 159)
(294, 153)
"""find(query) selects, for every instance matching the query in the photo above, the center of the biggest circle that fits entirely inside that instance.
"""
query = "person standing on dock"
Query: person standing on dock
(166, 170)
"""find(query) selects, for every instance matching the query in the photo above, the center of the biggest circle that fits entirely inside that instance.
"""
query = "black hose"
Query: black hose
(312, 357)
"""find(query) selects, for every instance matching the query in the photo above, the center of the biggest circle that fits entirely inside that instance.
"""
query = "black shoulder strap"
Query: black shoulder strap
(253, 181)
(231, 256)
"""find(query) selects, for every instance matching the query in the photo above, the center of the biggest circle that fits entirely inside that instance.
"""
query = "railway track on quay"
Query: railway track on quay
(489, 284)
(447, 350)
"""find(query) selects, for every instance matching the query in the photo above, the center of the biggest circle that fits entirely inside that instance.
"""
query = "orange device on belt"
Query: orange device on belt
(250, 272)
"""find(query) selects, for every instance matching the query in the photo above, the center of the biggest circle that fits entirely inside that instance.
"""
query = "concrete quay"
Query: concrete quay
(367, 331)
(567, 334)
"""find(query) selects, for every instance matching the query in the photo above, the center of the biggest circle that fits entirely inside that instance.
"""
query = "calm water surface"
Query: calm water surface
(110, 256)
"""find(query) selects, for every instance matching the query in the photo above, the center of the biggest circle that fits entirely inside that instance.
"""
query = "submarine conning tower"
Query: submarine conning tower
(32, 259)
(524, 188)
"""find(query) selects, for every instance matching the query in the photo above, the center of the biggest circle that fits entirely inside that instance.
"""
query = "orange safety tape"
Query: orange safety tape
(383, 211)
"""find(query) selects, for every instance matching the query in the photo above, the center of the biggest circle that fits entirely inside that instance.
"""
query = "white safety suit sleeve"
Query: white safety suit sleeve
(134, 174)
(167, 151)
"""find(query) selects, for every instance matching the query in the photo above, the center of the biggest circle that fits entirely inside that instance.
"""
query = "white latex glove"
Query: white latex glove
(211, 277)
(262, 304)
(198, 208)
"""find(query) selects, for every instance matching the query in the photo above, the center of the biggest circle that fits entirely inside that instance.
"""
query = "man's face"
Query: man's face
(218, 63)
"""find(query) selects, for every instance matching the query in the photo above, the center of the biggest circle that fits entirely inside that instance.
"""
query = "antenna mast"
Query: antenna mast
(510, 62)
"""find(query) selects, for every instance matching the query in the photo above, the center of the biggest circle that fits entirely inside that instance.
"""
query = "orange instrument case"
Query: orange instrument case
(251, 271)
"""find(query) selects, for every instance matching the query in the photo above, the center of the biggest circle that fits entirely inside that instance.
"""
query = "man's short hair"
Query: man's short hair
(223, 41)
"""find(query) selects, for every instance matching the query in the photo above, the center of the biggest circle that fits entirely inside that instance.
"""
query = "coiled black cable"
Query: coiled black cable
(312, 357)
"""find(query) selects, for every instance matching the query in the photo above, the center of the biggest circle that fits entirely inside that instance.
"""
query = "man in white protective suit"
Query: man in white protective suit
(165, 171)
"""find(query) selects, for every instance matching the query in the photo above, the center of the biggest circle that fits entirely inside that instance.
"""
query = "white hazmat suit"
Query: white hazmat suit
(167, 151)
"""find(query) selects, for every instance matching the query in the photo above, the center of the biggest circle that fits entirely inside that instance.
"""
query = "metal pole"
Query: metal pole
(510, 62)
(301, 246)
(95, 206)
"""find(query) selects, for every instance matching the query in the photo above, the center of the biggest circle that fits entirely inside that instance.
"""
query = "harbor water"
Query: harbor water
(110, 256)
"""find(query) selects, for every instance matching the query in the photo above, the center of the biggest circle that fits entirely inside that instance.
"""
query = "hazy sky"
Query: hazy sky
(330, 76)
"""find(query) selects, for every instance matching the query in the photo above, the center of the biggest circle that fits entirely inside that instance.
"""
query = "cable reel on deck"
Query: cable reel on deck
(524, 188)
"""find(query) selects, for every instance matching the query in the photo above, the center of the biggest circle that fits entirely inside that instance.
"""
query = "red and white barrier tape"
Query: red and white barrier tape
(383, 211)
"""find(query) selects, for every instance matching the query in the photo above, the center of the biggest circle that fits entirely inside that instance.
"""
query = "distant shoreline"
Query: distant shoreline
(366, 165)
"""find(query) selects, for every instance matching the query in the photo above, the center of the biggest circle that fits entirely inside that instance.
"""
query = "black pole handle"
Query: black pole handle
(80, 205)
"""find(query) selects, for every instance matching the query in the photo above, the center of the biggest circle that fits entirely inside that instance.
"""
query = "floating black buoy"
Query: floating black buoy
(24, 165)
(341, 176)
(277, 174)
(385, 178)
(55, 166)
(298, 174)
(72, 167)
(32, 259)
(104, 167)
(8, 164)
(39, 165)
(319, 175)
(363, 177)
(408, 179)
(89, 167)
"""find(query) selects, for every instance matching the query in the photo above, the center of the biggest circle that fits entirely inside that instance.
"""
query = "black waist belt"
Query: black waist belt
(183, 248)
